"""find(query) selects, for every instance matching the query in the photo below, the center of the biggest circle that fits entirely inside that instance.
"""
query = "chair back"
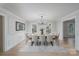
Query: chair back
(49, 38)
(34, 38)
(42, 38)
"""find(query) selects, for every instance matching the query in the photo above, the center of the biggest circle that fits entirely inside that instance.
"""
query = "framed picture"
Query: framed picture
(20, 26)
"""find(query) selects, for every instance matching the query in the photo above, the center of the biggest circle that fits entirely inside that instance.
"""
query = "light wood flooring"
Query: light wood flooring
(14, 51)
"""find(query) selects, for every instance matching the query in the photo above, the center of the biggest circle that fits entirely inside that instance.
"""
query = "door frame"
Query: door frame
(3, 28)
(74, 27)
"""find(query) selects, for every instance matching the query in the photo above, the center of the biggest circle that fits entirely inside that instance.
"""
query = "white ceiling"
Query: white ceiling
(33, 11)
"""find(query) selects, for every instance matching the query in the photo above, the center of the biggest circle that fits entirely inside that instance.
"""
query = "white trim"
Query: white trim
(3, 32)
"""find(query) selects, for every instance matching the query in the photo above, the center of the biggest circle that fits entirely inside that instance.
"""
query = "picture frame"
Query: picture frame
(20, 26)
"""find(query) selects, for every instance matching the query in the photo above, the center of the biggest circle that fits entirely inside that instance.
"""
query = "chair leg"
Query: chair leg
(37, 43)
(51, 43)
(40, 43)
(43, 43)
(32, 43)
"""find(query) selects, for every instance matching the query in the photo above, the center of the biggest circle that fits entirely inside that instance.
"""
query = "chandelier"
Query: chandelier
(42, 21)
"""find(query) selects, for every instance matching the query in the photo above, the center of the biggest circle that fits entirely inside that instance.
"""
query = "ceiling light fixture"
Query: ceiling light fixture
(42, 21)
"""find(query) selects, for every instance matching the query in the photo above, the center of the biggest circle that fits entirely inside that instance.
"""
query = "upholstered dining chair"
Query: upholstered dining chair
(42, 40)
(27, 37)
(34, 40)
(50, 39)
(56, 38)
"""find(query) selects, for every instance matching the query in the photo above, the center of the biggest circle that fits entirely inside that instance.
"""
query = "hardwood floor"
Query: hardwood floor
(14, 51)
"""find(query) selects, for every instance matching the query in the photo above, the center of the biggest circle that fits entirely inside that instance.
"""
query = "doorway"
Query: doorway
(1, 34)
(69, 32)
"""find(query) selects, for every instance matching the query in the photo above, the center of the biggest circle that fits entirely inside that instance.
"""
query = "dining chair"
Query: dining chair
(34, 40)
(56, 39)
(42, 40)
(27, 37)
(50, 39)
